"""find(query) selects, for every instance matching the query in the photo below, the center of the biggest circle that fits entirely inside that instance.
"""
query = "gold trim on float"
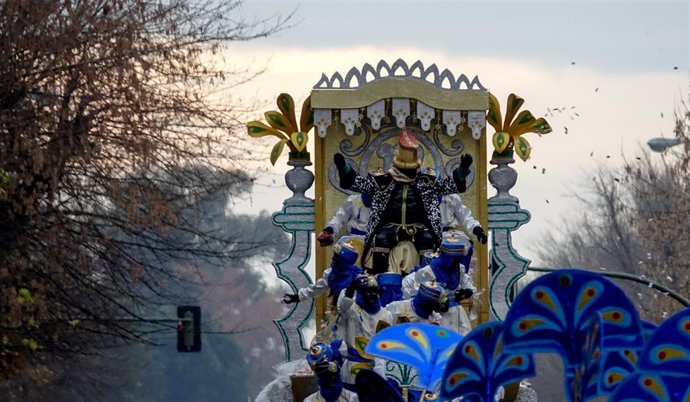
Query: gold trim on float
(348, 98)
(321, 256)
(483, 276)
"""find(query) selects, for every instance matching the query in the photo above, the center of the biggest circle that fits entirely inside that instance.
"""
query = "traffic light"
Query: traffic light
(188, 329)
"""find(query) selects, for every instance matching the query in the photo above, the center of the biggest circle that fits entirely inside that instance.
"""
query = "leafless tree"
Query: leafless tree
(637, 222)
(112, 137)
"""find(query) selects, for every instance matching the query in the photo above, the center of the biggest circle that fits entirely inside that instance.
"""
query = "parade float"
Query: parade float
(361, 125)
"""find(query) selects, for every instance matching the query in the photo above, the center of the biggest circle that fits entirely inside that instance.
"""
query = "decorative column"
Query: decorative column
(505, 216)
(296, 218)
(297, 215)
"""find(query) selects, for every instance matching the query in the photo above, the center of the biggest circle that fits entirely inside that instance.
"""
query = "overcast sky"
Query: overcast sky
(614, 36)
(619, 67)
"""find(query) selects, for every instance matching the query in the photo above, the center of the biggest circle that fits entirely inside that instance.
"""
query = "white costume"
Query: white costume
(455, 215)
(352, 214)
(403, 309)
(317, 288)
(357, 323)
(456, 317)
(345, 396)
(411, 282)
(347, 271)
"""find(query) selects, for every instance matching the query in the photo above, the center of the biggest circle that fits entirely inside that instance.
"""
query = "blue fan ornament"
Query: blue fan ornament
(668, 348)
(423, 346)
(652, 387)
(554, 314)
(480, 365)
(618, 364)
(582, 379)
(663, 370)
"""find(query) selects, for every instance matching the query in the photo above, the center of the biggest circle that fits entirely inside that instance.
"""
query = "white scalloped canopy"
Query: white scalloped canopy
(368, 74)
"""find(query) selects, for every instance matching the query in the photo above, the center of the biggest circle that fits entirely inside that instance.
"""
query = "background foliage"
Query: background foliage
(636, 220)
(120, 150)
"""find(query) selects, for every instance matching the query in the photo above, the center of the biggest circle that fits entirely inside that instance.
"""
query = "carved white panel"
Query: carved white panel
(375, 113)
(350, 119)
(400, 110)
(322, 120)
(476, 121)
(451, 119)
(425, 114)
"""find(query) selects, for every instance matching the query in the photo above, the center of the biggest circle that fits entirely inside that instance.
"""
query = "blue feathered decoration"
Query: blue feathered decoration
(423, 346)
(480, 365)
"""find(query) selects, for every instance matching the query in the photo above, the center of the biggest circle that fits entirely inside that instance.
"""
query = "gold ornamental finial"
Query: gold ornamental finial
(284, 126)
(509, 132)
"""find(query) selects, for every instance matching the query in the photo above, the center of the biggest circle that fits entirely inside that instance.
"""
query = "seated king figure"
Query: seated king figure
(404, 202)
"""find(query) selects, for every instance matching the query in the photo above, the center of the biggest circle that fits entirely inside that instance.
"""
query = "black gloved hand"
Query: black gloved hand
(479, 232)
(325, 238)
(462, 294)
(343, 170)
(339, 160)
(350, 291)
(465, 161)
(289, 298)
(324, 366)
(461, 173)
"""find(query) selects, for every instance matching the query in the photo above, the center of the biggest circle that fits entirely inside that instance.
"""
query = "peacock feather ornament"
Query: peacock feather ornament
(618, 364)
(554, 314)
(509, 131)
(480, 365)
(283, 124)
(663, 368)
(423, 346)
